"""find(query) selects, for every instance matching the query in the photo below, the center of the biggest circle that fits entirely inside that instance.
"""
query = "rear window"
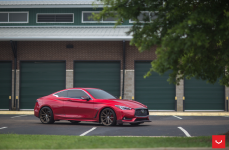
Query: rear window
(62, 94)
(100, 94)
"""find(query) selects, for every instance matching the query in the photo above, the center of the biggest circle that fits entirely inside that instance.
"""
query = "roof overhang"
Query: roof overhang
(64, 34)
(63, 38)
(50, 3)
(51, 6)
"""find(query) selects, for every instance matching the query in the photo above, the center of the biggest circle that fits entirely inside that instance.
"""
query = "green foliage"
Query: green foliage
(191, 36)
(16, 141)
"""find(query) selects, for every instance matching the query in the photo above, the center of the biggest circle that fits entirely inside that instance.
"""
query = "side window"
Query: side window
(153, 15)
(62, 94)
(86, 16)
(14, 17)
(110, 19)
(55, 18)
(146, 17)
(143, 16)
(76, 94)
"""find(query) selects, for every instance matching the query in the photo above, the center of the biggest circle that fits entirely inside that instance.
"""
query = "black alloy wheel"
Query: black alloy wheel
(46, 115)
(108, 117)
(74, 122)
(135, 124)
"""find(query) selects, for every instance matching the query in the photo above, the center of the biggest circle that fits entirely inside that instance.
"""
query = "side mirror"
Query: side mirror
(85, 97)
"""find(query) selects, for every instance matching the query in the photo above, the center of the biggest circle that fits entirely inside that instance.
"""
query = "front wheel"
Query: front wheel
(108, 117)
(46, 115)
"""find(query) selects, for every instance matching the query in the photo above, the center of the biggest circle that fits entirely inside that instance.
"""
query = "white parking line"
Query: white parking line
(185, 132)
(177, 117)
(88, 131)
(3, 127)
(19, 116)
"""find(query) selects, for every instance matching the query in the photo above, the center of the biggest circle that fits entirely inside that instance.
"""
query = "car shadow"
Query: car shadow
(92, 124)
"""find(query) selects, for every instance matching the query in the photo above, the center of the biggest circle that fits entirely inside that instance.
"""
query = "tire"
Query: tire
(135, 124)
(74, 122)
(46, 115)
(108, 117)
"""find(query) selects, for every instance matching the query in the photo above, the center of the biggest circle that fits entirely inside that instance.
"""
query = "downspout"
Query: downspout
(14, 49)
(123, 68)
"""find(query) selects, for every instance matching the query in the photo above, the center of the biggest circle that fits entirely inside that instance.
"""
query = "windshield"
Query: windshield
(100, 94)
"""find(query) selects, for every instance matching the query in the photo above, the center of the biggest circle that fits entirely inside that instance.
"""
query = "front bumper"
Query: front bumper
(133, 121)
(133, 116)
(137, 115)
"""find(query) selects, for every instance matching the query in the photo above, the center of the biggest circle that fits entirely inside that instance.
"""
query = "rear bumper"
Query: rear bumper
(36, 110)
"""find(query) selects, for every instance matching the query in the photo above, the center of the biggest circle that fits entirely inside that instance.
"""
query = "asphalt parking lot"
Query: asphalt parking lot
(160, 126)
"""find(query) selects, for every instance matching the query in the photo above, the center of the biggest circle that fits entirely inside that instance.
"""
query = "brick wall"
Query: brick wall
(6, 52)
(133, 54)
(83, 50)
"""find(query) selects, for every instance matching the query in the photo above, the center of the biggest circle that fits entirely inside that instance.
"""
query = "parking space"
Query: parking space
(142, 130)
(206, 130)
(160, 126)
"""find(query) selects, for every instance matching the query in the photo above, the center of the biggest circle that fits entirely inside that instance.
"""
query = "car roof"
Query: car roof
(80, 88)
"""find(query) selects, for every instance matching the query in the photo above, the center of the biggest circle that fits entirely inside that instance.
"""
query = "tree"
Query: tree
(192, 36)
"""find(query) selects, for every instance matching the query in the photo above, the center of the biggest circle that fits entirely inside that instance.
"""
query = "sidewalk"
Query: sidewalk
(152, 113)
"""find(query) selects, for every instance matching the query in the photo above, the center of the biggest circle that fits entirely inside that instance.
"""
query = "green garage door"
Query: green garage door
(154, 91)
(200, 95)
(103, 75)
(39, 79)
(5, 84)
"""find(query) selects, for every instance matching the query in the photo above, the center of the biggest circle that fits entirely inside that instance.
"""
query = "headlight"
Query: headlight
(123, 107)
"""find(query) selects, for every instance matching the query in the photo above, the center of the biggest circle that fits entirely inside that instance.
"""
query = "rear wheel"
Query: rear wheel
(108, 117)
(46, 115)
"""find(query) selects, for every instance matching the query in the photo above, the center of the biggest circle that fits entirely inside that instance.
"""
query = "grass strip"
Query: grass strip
(16, 141)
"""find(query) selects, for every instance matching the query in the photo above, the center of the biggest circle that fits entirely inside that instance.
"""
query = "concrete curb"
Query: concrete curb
(150, 113)
(189, 113)
(17, 112)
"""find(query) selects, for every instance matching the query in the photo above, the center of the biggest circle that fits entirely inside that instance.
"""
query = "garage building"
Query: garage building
(48, 46)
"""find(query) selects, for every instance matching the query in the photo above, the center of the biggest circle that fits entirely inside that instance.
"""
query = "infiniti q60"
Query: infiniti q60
(89, 104)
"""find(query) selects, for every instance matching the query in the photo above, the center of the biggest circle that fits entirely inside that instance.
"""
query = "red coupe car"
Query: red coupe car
(89, 104)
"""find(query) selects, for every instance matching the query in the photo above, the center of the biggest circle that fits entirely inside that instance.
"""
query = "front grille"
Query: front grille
(141, 112)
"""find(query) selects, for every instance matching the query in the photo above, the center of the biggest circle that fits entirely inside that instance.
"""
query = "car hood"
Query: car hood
(128, 103)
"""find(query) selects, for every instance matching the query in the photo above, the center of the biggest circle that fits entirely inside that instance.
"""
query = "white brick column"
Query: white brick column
(227, 95)
(179, 95)
(128, 84)
(69, 79)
